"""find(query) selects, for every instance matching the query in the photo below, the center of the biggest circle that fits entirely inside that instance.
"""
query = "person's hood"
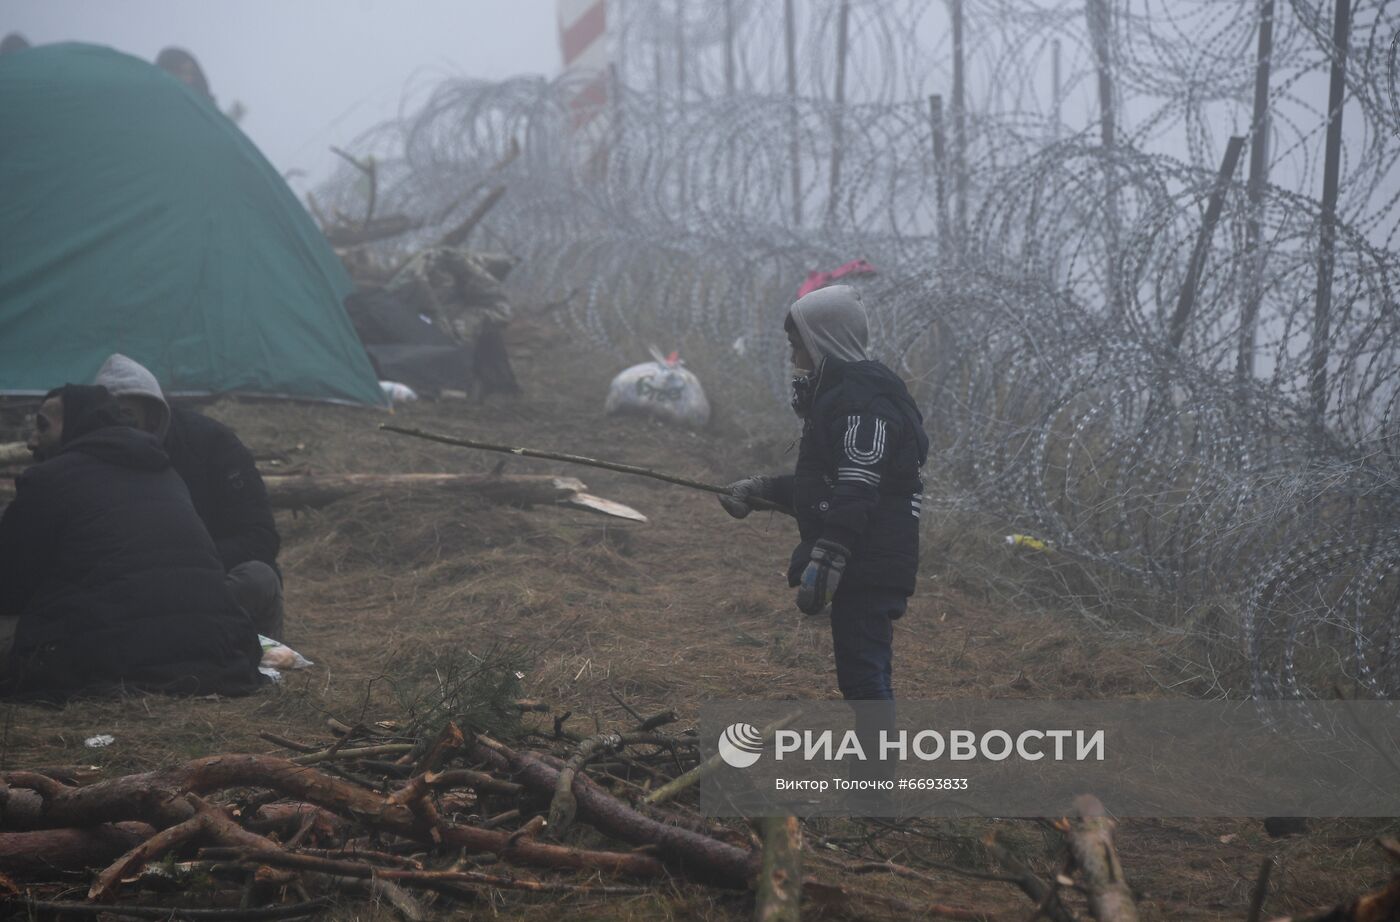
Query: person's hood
(832, 324)
(125, 377)
(122, 446)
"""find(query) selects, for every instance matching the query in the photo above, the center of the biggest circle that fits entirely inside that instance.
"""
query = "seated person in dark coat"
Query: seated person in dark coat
(114, 579)
(224, 483)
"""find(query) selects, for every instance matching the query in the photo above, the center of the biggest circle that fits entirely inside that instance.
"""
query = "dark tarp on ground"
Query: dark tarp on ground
(137, 218)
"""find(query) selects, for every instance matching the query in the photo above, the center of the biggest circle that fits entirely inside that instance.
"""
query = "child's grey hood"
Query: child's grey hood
(832, 323)
(125, 377)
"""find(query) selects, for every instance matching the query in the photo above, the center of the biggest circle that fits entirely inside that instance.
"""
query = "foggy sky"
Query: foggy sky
(311, 73)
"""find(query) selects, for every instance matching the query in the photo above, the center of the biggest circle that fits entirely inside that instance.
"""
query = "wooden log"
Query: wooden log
(33, 908)
(697, 856)
(1091, 843)
(40, 854)
(16, 453)
(287, 819)
(780, 880)
(313, 491)
(1044, 895)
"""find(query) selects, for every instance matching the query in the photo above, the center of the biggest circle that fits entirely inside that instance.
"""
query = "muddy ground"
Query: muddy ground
(391, 594)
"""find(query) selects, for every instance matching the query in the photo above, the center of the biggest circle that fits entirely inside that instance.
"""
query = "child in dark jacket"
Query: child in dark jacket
(856, 491)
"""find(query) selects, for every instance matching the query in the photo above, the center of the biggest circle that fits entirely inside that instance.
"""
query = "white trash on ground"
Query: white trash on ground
(277, 657)
(398, 393)
(663, 389)
(100, 741)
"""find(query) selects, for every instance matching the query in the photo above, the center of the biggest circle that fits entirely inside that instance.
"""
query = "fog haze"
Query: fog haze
(311, 73)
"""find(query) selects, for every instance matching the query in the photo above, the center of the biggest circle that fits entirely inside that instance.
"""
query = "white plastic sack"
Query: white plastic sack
(396, 392)
(278, 657)
(663, 389)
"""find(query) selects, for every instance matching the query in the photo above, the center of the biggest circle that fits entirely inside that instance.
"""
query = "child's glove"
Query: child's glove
(736, 502)
(822, 576)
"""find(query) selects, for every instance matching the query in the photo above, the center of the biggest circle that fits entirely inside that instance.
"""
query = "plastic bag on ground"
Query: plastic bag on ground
(277, 656)
(662, 389)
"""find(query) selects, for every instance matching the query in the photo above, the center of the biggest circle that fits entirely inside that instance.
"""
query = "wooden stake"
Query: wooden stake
(1187, 297)
(1091, 843)
(1331, 178)
(1258, 179)
(794, 152)
(780, 879)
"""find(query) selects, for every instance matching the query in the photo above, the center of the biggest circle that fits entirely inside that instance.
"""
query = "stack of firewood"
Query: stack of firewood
(424, 823)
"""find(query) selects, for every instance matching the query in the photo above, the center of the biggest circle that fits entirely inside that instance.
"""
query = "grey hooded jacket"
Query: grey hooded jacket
(832, 323)
(217, 468)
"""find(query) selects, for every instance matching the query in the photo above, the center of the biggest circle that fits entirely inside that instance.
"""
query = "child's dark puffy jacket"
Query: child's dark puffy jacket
(857, 481)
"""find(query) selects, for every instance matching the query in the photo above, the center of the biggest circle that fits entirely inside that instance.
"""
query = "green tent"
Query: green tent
(136, 218)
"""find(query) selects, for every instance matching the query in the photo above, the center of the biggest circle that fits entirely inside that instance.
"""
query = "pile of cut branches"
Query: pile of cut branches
(428, 823)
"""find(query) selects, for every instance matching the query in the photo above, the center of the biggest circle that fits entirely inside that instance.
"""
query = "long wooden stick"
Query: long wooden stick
(753, 501)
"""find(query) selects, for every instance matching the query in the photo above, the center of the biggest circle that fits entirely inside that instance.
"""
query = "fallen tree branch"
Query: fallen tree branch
(343, 236)
(1045, 895)
(563, 807)
(363, 752)
(26, 855)
(710, 765)
(371, 171)
(207, 822)
(691, 853)
(252, 914)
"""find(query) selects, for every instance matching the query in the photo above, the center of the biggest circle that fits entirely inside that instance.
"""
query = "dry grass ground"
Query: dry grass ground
(389, 594)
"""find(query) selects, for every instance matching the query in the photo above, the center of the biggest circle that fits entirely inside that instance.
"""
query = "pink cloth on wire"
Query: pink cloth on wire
(817, 280)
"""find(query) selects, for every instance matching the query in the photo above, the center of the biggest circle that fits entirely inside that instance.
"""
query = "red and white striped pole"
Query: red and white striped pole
(583, 41)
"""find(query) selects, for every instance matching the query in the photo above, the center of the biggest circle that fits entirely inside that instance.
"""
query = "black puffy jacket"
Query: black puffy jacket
(857, 480)
(115, 580)
(225, 486)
